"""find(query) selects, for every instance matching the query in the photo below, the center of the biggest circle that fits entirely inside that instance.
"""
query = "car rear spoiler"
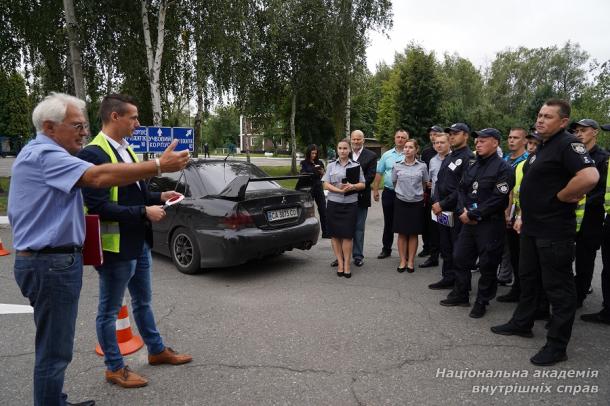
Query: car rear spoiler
(236, 189)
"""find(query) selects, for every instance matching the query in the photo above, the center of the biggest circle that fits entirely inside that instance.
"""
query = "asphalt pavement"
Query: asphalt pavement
(288, 331)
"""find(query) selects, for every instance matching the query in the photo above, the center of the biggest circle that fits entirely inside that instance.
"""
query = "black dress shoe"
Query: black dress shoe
(423, 253)
(429, 263)
(410, 270)
(600, 318)
(347, 275)
(334, 263)
(85, 403)
(383, 254)
(510, 297)
(358, 261)
(401, 270)
(339, 274)
(478, 310)
(442, 284)
(548, 356)
(455, 301)
(509, 329)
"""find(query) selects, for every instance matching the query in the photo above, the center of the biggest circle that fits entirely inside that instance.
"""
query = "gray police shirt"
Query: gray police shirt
(335, 173)
(409, 179)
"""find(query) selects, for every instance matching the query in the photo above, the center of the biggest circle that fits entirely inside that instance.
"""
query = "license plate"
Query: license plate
(282, 214)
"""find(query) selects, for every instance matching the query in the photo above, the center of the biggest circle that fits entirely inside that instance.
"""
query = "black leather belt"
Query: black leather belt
(66, 249)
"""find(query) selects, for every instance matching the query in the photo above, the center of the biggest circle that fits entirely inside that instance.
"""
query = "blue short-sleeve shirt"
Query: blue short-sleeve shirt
(385, 165)
(45, 208)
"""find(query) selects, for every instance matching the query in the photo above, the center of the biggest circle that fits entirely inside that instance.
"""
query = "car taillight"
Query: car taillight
(237, 221)
(308, 207)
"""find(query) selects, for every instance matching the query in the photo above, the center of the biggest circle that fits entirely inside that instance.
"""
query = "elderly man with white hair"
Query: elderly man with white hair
(45, 209)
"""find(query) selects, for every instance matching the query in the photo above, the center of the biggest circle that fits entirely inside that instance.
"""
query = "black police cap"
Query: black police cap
(458, 127)
(488, 132)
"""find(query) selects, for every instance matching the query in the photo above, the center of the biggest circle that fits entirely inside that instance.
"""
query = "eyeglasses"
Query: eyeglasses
(79, 126)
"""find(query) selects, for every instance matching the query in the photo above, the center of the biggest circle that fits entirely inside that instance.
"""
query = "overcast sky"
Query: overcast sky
(478, 29)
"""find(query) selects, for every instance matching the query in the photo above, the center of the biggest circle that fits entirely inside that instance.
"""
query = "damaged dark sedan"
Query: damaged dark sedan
(232, 212)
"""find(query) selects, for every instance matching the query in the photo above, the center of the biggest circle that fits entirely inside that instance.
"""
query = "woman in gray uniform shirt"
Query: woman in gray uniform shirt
(342, 205)
(409, 178)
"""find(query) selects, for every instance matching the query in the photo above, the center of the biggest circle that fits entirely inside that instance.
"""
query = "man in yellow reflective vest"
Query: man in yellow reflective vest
(126, 213)
(603, 316)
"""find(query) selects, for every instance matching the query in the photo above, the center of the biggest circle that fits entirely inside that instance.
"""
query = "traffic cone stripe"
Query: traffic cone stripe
(128, 343)
(3, 252)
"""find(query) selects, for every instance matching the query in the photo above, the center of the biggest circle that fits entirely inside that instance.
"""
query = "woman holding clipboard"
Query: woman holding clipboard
(343, 180)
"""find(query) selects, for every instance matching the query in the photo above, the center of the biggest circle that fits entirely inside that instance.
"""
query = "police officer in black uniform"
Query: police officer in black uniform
(557, 177)
(483, 196)
(449, 177)
(589, 237)
(603, 316)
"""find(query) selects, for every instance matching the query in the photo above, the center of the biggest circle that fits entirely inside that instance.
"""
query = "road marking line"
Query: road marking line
(15, 309)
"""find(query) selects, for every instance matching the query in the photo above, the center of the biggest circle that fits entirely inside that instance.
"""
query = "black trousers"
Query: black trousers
(387, 204)
(512, 237)
(606, 268)
(430, 237)
(588, 240)
(551, 261)
(484, 241)
(447, 238)
(318, 195)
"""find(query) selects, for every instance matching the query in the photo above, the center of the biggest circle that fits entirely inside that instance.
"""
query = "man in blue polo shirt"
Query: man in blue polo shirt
(45, 209)
(384, 168)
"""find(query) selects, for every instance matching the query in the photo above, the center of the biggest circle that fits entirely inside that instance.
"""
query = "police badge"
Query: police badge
(503, 187)
(578, 148)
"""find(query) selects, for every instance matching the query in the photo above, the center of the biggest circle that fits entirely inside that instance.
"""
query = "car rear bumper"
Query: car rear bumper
(222, 248)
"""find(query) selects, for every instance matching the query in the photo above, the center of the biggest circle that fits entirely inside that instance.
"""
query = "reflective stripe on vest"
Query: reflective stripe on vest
(580, 212)
(518, 179)
(111, 237)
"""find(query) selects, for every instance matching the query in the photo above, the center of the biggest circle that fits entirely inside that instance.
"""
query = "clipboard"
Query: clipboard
(445, 218)
(353, 176)
(92, 247)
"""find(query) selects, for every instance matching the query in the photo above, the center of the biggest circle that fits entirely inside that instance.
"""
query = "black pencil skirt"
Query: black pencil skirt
(341, 219)
(408, 217)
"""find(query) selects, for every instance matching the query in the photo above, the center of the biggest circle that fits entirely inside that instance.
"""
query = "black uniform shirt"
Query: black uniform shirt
(596, 196)
(449, 176)
(549, 171)
(485, 188)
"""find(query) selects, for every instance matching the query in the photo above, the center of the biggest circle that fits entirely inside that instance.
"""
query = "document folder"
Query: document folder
(92, 249)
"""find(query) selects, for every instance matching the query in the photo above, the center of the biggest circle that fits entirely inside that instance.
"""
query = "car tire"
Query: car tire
(185, 251)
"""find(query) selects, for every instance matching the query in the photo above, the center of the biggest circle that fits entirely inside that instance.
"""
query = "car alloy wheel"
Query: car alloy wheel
(185, 251)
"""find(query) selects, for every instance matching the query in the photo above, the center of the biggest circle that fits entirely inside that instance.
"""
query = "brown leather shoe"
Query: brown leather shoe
(169, 356)
(126, 378)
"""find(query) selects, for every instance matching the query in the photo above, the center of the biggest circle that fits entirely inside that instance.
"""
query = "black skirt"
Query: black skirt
(341, 219)
(408, 217)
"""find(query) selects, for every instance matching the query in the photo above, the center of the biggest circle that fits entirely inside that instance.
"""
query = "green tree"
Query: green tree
(419, 91)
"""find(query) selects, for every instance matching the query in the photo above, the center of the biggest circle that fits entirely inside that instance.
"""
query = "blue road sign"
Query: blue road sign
(138, 140)
(185, 137)
(159, 138)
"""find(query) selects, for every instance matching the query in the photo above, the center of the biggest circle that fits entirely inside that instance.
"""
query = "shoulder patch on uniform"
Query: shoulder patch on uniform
(503, 187)
(578, 147)
(458, 162)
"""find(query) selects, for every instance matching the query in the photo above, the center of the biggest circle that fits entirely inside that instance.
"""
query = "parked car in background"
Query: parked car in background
(232, 212)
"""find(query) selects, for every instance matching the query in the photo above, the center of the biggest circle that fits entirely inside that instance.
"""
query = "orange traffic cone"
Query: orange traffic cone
(128, 343)
(3, 252)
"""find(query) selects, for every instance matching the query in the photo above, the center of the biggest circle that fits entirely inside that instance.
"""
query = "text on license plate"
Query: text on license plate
(282, 214)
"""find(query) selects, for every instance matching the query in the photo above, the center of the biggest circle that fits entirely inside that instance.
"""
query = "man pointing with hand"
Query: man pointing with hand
(126, 213)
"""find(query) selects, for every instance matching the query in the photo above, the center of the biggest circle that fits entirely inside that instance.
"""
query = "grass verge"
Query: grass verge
(4, 182)
(280, 171)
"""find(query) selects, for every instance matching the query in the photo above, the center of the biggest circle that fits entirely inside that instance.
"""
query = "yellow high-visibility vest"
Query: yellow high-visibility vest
(111, 236)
